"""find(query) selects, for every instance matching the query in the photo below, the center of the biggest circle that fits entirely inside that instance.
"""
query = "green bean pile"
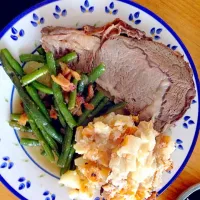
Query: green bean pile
(56, 147)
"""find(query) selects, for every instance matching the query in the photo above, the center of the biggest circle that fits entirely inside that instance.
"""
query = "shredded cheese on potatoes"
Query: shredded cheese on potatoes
(122, 160)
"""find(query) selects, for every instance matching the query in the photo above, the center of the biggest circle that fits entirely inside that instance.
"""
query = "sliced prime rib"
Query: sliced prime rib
(150, 77)
(155, 81)
(86, 42)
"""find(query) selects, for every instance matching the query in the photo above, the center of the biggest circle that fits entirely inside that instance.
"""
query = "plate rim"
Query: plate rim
(174, 34)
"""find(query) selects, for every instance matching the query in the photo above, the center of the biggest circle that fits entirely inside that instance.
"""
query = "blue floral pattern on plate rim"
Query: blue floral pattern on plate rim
(86, 8)
(179, 41)
(59, 12)
(155, 33)
(111, 9)
(49, 196)
(7, 163)
(15, 35)
(36, 21)
(135, 18)
(23, 183)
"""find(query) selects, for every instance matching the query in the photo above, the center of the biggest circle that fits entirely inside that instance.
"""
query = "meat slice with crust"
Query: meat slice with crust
(155, 81)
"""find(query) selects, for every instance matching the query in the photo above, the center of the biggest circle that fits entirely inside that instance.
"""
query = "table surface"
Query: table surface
(184, 17)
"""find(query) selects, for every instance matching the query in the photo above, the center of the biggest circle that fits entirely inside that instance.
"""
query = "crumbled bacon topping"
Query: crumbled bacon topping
(53, 113)
(66, 71)
(90, 93)
(77, 111)
(80, 100)
(76, 75)
(89, 106)
(23, 119)
(68, 76)
(63, 82)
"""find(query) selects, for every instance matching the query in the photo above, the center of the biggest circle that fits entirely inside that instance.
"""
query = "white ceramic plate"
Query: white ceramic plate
(25, 172)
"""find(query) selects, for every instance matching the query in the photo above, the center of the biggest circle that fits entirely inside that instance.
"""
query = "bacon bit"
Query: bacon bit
(23, 119)
(60, 80)
(89, 106)
(70, 88)
(69, 76)
(53, 113)
(76, 75)
(63, 82)
(135, 118)
(90, 93)
(76, 111)
(79, 112)
(80, 100)
(65, 69)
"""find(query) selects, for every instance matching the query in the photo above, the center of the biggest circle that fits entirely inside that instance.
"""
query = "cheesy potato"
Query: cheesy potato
(121, 160)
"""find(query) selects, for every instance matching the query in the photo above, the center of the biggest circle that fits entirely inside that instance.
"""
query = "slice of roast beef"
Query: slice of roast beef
(86, 42)
(154, 80)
